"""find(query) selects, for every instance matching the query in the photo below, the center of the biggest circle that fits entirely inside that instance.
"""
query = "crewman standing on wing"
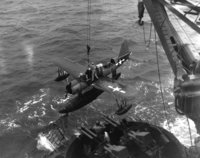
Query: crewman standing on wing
(140, 11)
(94, 73)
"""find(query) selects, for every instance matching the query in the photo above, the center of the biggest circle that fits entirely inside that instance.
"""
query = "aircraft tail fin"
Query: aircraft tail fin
(124, 51)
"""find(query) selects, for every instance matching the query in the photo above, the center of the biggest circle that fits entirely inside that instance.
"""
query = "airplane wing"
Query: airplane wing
(74, 69)
(117, 89)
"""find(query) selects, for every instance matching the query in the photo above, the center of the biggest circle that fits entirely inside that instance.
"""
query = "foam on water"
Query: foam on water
(180, 128)
(44, 144)
(8, 123)
(25, 112)
(34, 100)
(61, 100)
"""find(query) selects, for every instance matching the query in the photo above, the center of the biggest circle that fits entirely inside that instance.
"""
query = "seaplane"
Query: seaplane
(88, 83)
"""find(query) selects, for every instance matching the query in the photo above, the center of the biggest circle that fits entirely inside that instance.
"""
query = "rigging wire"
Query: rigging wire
(88, 30)
(149, 41)
(181, 46)
(144, 35)
(192, 8)
(180, 58)
(185, 32)
(189, 130)
(159, 76)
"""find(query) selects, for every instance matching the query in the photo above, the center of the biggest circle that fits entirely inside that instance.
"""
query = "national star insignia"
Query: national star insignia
(118, 89)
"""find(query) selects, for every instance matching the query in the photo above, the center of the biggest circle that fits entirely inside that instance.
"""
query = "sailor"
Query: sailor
(94, 69)
(106, 137)
(82, 77)
(88, 74)
(99, 70)
(99, 127)
(140, 11)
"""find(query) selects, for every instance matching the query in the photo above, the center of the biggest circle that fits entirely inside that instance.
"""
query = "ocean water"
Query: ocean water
(35, 33)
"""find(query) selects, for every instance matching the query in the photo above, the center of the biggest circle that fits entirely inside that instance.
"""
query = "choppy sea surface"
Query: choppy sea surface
(34, 33)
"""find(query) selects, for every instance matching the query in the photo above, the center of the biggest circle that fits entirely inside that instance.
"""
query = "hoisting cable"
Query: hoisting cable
(159, 76)
(88, 30)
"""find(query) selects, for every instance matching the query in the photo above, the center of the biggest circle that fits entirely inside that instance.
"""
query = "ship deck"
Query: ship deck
(187, 28)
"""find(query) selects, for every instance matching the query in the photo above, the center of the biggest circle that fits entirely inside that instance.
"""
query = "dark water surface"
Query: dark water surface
(33, 33)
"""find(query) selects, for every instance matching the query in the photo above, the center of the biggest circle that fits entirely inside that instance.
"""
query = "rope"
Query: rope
(89, 29)
(149, 41)
(159, 76)
(189, 130)
(188, 12)
(144, 35)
